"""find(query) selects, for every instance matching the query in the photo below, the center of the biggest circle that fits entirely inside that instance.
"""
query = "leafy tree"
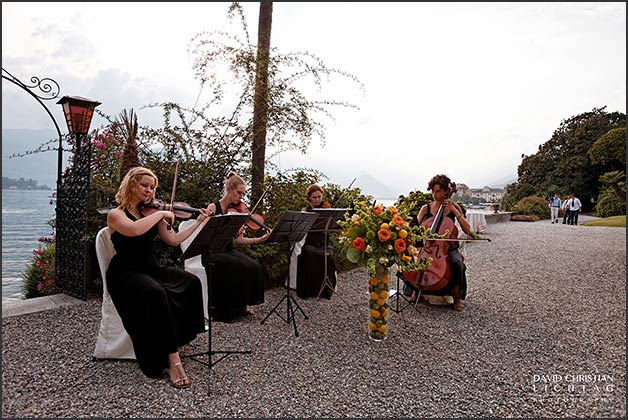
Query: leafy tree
(610, 150)
(564, 161)
(227, 63)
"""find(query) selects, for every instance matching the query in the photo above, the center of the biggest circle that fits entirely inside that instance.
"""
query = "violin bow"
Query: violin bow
(344, 192)
(259, 200)
(174, 189)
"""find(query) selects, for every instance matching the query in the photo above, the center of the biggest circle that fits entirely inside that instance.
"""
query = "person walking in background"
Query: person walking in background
(565, 208)
(554, 205)
(575, 207)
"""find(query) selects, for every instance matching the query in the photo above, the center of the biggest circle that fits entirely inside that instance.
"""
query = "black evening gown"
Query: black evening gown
(311, 267)
(237, 280)
(161, 307)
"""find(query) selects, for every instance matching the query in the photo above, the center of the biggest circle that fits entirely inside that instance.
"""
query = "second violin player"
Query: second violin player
(237, 279)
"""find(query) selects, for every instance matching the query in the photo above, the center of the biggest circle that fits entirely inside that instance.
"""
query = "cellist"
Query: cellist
(441, 188)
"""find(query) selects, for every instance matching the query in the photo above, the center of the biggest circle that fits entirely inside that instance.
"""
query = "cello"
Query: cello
(438, 273)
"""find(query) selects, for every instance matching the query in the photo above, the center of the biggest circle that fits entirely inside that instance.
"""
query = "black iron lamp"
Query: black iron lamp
(78, 113)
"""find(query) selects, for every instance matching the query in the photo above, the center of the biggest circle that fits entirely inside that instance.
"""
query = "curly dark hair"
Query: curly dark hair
(444, 182)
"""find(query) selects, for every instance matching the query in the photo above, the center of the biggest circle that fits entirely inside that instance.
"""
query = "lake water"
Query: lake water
(25, 216)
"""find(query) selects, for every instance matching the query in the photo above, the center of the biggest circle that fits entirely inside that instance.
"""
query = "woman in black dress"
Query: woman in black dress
(237, 280)
(311, 261)
(161, 307)
(441, 187)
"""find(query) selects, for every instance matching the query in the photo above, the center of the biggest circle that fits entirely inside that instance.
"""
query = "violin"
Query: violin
(254, 222)
(181, 210)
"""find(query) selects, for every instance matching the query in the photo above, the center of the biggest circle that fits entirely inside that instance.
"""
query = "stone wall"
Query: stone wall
(502, 216)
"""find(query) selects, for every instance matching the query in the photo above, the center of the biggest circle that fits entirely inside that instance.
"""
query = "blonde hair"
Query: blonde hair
(125, 196)
(312, 189)
(232, 181)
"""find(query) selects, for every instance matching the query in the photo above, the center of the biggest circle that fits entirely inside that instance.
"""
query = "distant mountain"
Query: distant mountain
(371, 186)
(42, 167)
(502, 182)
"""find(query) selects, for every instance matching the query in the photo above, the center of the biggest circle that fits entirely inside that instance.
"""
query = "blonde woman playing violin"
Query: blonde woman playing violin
(161, 307)
(237, 280)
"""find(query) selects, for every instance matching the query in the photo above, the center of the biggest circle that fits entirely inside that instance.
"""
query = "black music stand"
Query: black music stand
(327, 222)
(399, 292)
(216, 235)
(292, 227)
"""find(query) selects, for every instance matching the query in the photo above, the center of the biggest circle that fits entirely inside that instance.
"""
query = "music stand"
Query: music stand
(327, 222)
(292, 227)
(216, 235)
(398, 292)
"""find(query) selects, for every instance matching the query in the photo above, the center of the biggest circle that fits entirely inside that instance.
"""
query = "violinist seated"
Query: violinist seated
(309, 256)
(237, 280)
(456, 285)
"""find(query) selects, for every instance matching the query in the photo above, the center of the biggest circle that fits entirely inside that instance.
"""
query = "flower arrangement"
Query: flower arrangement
(378, 237)
(381, 235)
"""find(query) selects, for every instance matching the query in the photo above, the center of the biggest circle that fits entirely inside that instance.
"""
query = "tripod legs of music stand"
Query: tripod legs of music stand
(414, 303)
(209, 353)
(290, 311)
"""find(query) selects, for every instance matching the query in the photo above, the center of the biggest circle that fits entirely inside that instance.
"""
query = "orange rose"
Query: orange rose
(383, 235)
(392, 209)
(400, 245)
(358, 244)
(377, 210)
(398, 220)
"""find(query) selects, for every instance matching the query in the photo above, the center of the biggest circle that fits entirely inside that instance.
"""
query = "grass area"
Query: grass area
(613, 221)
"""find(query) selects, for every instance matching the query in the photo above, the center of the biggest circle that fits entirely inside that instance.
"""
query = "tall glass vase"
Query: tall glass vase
(378, 303)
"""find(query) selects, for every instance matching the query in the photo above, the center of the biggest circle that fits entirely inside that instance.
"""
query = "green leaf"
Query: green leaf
(353, 255)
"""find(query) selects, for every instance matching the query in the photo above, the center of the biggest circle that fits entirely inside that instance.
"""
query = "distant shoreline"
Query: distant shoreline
(42, 188)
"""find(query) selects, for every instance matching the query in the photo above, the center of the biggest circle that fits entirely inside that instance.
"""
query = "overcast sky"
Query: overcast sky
(458, 88)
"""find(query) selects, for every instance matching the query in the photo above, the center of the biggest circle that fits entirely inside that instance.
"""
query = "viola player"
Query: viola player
(161, 308)
(310, 261)
(441, 188)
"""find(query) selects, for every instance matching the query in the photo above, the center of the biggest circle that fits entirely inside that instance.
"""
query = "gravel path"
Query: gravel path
(543, 335)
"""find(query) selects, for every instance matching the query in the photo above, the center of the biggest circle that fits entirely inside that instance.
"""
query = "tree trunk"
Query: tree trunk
(260, 107)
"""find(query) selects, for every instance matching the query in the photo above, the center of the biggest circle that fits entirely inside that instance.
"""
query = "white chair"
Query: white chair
(194, 264)
(113, 341)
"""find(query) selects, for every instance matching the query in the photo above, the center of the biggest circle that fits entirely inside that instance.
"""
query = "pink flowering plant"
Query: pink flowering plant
(39, 275)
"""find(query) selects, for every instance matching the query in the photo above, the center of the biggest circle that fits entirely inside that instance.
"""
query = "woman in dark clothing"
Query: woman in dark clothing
(311, 261)
(236, 279)
(441, 186)
(161, 307)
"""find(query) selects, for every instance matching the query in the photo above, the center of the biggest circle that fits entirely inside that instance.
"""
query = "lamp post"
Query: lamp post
(78, 113)
(72, 251)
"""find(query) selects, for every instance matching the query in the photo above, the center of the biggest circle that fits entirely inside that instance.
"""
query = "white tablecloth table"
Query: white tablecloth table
(477, 221)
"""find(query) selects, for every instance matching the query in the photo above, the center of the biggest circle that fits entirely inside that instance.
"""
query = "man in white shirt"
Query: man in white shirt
(574, 206)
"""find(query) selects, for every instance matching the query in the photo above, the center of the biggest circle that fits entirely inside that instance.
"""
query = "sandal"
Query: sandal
(182, 382)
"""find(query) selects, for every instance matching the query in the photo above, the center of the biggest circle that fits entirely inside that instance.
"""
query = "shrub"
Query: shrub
(524, 218)
(532, 206)
(38, 279)
(609, 204)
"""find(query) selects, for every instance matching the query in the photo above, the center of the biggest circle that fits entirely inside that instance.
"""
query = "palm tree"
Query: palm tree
(615, 180)
(260, 107)
(126, 127)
